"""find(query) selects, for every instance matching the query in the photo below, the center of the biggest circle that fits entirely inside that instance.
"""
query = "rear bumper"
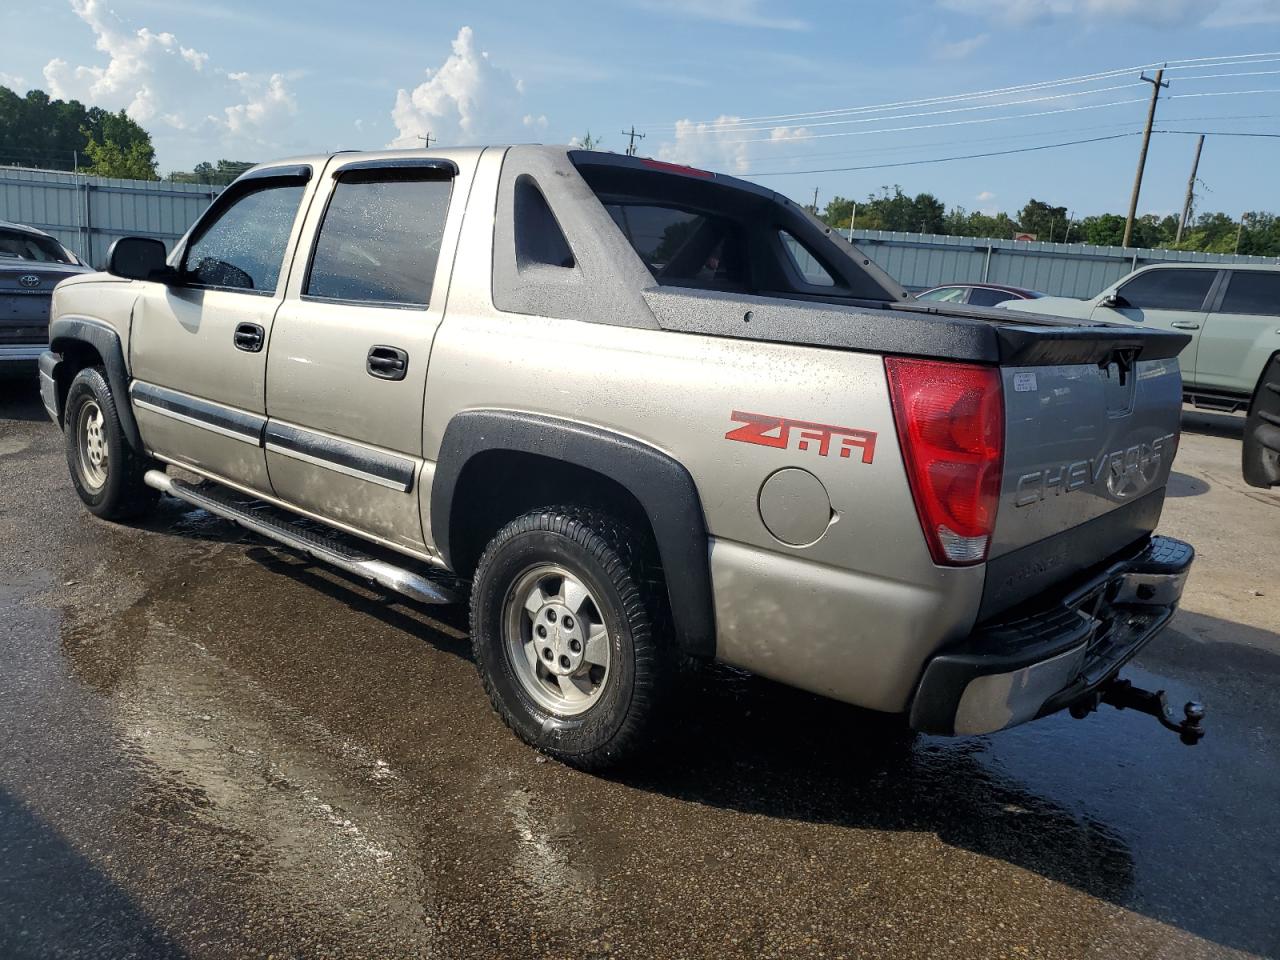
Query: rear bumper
(21, 352)
(1042, 661)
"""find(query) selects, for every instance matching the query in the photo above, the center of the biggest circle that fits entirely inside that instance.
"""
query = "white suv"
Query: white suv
(1232, 314)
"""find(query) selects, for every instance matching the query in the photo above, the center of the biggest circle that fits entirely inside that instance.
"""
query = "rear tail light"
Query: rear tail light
(950, 419)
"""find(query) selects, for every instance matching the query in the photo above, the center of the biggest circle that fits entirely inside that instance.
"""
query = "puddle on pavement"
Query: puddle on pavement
(336, 753)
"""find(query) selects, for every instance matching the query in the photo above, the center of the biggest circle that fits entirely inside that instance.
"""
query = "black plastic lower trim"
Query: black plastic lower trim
(245, 426)
(384, 468)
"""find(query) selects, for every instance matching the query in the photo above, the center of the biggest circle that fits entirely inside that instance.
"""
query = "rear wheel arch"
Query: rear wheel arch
(83, 342)
(495, 465)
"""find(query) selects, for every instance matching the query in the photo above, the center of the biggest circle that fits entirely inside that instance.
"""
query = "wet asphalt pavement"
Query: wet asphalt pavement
(213, 749)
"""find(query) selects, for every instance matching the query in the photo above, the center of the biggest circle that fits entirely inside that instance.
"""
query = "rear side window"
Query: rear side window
(805, 262)
(944, 295)
(1168, 289)
(1252, 293)
(982, 297)
(243, 249)
(380, 239)
(678, 244)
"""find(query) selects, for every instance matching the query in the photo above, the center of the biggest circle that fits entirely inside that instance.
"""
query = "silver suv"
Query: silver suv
(644, 414)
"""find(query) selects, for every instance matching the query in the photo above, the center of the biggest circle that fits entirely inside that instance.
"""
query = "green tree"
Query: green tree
(38, 131)
(1046, 221)
(219, 174)
(137, 161)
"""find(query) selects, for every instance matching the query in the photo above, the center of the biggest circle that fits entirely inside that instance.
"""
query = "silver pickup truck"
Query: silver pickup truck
(645, 414)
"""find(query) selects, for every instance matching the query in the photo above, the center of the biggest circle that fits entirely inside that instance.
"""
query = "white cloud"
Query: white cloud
(960, 49)
(986, 196)
(12, 81)
(1023, 12)
(266, 104)
(161, 83)
(469, 99)
(1244, 13)
(717, 145)
(738, 13)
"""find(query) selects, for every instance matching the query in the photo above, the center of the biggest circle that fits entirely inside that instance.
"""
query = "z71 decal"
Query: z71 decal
(769, 431)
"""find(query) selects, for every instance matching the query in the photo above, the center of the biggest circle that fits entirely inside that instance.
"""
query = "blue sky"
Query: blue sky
(254, 80)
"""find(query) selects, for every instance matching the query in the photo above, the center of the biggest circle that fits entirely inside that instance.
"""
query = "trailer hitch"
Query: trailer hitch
(1123, 695)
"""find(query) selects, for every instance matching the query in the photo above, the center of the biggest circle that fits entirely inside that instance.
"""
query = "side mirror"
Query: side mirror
(1114, 301)
(138, 258)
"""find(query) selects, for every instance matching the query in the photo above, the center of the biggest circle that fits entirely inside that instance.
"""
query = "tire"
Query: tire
(1260, 452)
(571, 706)
(105, 470)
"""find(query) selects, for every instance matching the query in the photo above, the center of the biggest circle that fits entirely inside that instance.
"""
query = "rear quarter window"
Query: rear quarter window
(1252, 292)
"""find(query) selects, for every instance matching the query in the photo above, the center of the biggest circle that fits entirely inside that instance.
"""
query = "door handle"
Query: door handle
(1185, 325)
(249, 337)
(387, 363)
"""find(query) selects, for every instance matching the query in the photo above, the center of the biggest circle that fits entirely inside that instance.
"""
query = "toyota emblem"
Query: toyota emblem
(29, 280)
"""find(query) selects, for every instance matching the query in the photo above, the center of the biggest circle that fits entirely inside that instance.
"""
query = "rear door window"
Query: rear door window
(1252, 292)
(1168, 289)
(380, 239)
(983, 297)
(243, 249)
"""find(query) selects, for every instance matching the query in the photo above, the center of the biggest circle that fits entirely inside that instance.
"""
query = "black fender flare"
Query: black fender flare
(660, 484)
(95, 333)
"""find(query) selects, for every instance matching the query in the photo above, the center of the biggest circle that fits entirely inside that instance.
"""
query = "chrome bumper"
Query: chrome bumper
(1009, 672)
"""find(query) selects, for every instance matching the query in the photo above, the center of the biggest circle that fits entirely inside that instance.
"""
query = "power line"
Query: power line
(935, 126)
(948, 110)
(967, 156)
(1185, 64)
(1219, 133)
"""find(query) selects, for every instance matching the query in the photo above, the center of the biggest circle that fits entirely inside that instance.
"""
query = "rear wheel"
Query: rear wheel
(105, 470)
(565, 617)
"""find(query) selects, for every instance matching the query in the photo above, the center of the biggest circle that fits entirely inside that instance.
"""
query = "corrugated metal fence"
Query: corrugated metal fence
(87, 213)
(1058, 269)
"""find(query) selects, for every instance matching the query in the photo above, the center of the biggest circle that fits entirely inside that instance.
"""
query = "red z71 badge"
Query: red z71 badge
(770, 431)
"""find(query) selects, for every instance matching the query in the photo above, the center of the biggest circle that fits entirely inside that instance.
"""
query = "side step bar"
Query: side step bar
(319, 546)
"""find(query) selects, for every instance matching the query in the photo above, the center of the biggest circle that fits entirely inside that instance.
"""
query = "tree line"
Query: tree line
(891, 209)
(39, 131)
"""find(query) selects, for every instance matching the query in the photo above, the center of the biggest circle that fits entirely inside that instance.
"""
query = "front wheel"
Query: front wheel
(105, 470)
(566, 629)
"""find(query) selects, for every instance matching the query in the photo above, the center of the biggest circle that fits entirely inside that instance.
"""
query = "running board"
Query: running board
(268, 522)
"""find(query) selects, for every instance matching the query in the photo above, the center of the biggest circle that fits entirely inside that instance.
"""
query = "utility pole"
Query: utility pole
(1156, 84)
(426, 141)
(852, 217)
(815, 201)
(1240, 232)
(1191, 192)
(632, 137)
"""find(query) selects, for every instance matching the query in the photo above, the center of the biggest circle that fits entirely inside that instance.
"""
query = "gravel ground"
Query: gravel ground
(212, 749)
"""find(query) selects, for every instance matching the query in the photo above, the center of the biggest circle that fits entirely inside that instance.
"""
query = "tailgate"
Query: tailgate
(1087, 454)
(24, 303)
